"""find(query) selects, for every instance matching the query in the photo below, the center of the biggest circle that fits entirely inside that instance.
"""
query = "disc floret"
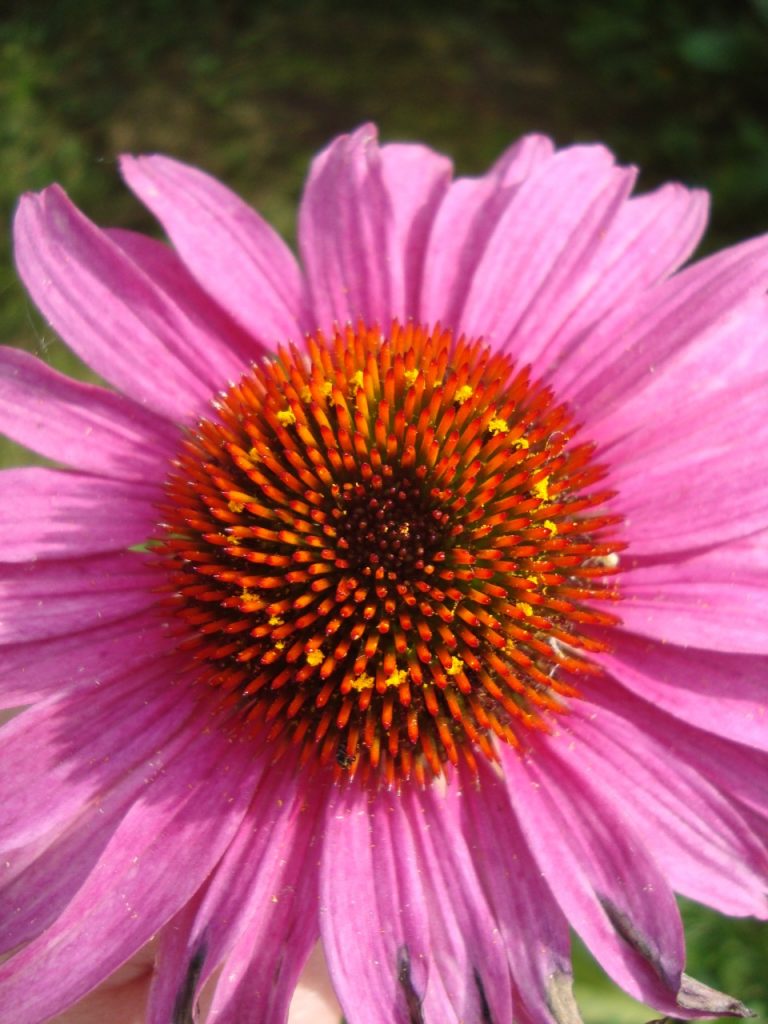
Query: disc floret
(387, 549)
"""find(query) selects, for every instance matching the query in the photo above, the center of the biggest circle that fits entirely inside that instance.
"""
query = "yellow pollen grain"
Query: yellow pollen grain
(498, 426)
(275, 620)
(521, 442)
(315, 658)
(541, 488)
(235, 506)
(305, 394)
(286, 417)
(280, 645)
(410, 377)
(463, 394)
(525, 608)
(247, 595)
(356, 381)
(455, 667)
(397, 678)
(326, 388)
(253, 454)
(552, 527)
(361, 682)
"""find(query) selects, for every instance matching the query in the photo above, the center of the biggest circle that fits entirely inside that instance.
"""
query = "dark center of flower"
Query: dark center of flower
(386, 550)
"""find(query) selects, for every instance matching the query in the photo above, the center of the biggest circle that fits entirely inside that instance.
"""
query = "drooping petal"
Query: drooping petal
(532, 928)
(705, 847)
(252, 982)
(40, 600)
(30, 672)
(38, 880)
(109, 311)
(375, 931)
(467, 951)
(51, 513)
(464, 222)
(160, 853)
(541, 243)
(715, 599)
(256, 917)
(611, 890)
(362, 233)
(722, 693)
(83, 426)
(232, 252)
(115, 727)
(734, 768)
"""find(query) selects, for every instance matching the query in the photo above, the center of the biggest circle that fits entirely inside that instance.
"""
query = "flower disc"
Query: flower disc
(386, 549)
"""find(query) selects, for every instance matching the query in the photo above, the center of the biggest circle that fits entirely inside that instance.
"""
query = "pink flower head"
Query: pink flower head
(411, 596)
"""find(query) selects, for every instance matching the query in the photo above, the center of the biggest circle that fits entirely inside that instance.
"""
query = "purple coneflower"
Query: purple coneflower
(413, 597)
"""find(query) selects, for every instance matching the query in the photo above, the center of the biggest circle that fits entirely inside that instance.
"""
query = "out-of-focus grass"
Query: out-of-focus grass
(250, 90)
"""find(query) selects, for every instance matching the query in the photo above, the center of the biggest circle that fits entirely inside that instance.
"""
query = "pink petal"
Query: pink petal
(541, 246)
(172, 277)
(610, 890)
(415, 179)
(363, 226)
(722, 693)
(451, 933)
(109, 311)
(235, 256)
(38, 880)
(705, 848)
(715, 599)
(32, 671)
(608, 886)
(168, 842)
(111, 729)
(83, 426)
(375, 926)
(733, 768)
(464, 222)
(629, 348)
(50, 513)
(532, 928)
(252, 981)
(39, 600)
(468, 957)
(257, 914)
(650, 236)
(706, 482)
(722, 358)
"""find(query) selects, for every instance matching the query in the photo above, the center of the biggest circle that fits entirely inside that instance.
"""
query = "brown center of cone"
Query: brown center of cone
(387, 550)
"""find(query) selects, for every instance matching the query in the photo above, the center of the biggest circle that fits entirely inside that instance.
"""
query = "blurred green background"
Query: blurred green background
(250, 90)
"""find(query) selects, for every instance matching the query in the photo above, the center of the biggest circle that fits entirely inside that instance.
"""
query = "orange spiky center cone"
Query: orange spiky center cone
(387, 550)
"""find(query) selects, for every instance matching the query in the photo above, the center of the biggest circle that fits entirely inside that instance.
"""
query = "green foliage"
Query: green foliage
(250, 90)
